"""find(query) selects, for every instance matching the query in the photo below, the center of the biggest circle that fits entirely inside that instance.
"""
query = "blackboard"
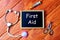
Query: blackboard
(32, 19)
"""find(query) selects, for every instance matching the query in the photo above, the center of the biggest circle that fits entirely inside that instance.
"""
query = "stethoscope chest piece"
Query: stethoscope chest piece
(24, 34)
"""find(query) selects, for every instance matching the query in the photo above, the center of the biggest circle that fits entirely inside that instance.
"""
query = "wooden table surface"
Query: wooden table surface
(52, 13)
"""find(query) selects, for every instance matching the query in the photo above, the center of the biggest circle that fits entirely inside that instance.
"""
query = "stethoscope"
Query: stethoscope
(9, 24)
(23, 34)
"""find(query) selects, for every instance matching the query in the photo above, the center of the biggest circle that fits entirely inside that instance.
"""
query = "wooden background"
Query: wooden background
(52, 13)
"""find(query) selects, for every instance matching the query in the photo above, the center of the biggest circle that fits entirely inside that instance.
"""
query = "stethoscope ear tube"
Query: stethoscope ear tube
(16, 12)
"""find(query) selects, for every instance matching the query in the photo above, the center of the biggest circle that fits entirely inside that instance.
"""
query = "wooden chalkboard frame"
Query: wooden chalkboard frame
(31, 27)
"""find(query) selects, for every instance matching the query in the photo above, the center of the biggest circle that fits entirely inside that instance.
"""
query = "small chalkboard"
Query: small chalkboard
(32, 19)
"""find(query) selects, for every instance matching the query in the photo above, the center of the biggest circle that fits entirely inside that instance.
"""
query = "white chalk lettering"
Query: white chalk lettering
(32, 22)
(31, 16)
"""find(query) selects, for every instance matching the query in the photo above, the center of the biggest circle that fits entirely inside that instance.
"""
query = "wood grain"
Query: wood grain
(52, 13)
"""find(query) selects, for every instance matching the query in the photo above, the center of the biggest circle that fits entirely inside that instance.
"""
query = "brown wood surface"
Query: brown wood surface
(52, 13)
